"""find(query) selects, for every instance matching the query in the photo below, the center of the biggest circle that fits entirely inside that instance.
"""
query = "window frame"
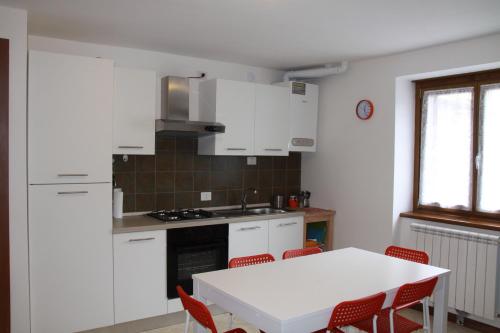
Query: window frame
(474, 80)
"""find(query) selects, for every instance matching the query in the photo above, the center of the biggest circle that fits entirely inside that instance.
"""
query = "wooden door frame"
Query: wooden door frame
(4, 188)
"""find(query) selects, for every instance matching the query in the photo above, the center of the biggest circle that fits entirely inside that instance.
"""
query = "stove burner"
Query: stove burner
(181, 215)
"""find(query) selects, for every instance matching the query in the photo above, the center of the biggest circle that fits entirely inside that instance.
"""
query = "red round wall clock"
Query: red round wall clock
(364, 109)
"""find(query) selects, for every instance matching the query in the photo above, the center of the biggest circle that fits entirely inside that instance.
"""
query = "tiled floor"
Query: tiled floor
(221, 321)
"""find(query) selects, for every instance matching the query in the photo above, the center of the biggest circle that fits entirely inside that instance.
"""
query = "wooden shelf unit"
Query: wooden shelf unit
(314, 215)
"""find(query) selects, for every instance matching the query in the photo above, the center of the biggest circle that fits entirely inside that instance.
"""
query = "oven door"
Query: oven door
(188, 257)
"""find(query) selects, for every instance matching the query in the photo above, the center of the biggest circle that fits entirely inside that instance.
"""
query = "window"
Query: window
(457, 144)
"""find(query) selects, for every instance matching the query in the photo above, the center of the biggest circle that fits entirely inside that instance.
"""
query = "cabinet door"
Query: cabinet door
(285, 234)
(272, 120)
(69, 118)
(71, 257)
(134, 108)
(248, 238)
(140, 275)
(304, 117)
(235, 108)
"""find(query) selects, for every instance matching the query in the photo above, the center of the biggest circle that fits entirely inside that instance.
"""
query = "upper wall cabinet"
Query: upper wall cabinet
(231, 103)
(272, 120)
(70, 107)
(303, 115)
(134, 107)
(256, 117)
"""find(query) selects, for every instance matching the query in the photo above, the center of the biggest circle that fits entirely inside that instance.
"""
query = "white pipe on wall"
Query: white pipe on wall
(316, 72)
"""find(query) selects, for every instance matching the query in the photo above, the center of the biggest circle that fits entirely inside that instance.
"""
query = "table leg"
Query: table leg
(441, 305)
(196, 294)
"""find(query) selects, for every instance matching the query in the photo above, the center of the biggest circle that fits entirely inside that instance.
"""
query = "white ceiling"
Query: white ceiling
(268, 33)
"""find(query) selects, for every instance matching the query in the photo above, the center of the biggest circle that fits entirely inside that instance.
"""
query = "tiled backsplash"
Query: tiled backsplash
(176, 175)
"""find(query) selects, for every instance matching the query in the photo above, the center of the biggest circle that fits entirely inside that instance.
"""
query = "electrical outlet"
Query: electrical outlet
(205, 196)
(251, 160)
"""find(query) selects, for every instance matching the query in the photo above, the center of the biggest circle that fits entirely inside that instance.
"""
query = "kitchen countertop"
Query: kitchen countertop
(137, 223)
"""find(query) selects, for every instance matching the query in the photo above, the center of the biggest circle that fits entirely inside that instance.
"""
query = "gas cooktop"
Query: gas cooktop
(181, 215)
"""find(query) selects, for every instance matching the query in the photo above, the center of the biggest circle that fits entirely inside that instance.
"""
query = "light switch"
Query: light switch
(205, 196)
(251, 160)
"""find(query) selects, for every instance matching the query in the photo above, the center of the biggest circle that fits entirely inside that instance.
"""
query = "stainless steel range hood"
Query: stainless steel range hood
(175, 111)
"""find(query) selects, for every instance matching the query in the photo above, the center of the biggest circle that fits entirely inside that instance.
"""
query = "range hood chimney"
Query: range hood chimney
(175, 111)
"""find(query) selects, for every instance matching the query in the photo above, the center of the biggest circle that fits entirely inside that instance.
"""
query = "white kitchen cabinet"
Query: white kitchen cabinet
(134, 108)
(303, 115)
(248, 238)
(71, 257)
(231, 103)
(70, 105)
(139, 275)
(285, 234)
(272, 120)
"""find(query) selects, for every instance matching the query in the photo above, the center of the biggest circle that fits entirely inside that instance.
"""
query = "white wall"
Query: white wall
(163, 63)
(363, 168)
(13, 26)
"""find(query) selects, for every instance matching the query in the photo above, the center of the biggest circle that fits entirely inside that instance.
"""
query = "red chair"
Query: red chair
(407, 296)
(200, 313)
(407, 254)
(301, 252)
(250, 260)
(349, 312)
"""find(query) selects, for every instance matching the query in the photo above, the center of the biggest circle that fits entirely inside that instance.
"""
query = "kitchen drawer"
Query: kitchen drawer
(248, 238)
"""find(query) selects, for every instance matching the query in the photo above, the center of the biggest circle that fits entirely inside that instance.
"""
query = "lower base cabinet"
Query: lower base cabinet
(267, 236)
(139, 275)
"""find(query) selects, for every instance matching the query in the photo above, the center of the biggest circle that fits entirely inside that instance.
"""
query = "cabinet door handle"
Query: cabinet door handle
(72, 175)
(73, 192)
(249, 228)
(286, 224)
(131, 147)
(236, 149)
(273, 149)
(141, 239)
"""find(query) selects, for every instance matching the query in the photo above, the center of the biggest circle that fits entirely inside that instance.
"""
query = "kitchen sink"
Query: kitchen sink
(249, 212)
(266, 210)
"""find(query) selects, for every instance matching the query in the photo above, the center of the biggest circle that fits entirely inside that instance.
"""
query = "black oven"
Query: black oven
(194, 250)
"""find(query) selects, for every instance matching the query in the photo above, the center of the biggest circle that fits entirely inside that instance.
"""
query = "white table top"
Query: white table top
(293, 288)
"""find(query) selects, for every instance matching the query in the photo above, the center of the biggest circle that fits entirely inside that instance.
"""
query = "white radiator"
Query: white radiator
(473, 261)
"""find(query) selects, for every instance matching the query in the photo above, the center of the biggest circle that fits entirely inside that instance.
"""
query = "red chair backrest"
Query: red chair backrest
(301, 252)
(197, 310)
(250, 260)
(412, 293)
(350, 312)
(407, 254)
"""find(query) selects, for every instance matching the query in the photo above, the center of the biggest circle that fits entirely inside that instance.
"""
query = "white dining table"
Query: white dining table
(298, 295)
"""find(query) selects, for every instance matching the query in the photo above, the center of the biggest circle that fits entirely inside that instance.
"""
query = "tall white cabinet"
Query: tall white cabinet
(69, 173)
(134, 108)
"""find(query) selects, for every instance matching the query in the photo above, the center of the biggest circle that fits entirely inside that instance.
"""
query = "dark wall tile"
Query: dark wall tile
(165, 143)
(184, 161)
(120, 166)
(144, 202)
(165, 201)
(176, 175)
(165, 161)
(184, 144)
(145, 182)
(202, 181)
(183, 200)
(128, 203)
(183, 181)
(165, 181)
(219, 198)
(145, 163)
(126, 181)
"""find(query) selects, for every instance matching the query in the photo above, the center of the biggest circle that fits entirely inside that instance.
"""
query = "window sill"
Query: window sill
(472, 222)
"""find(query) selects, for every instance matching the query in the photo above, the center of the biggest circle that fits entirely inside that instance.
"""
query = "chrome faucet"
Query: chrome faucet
(244, 198)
